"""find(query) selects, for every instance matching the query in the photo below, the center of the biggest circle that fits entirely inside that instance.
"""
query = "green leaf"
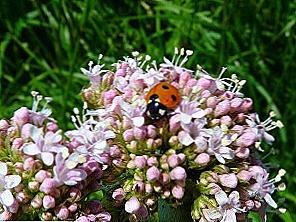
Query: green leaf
(98, 195)
(254, 217)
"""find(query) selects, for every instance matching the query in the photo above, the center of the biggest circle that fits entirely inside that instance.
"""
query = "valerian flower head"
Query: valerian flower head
(7, 182)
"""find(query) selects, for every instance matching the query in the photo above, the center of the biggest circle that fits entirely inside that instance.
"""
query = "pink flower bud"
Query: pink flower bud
(109, 96)
(128, 135)
(140, 161)
(132, 205)
(204, 83)
(52, 126)
(244, 175)
(148, 188)
(222, 108)
(153, 173)
(228, 180)
(118, 194)
(120, 72)
(12, 131)
(257, 204)
(247, 104)
(17, 143)
(42, 175)
(47, 216)
(212, 102)
(182, 157)
(29, 163)
(174, 123)
(214, 188)
(205, 94)
(33, 186)
(178, 192)
(19, 167)
(151, 131)
(48, 185)
(63, 213)
(235, 104)
(178, 173)
(150, 143)
(249, 204)
(246, 139)
(142, 213)
(139, 133)
(202, 159)
(139, 187)
(21, 116)
(75, 194)
(164, 178)
(126, 123)
(227, 95)
(104, 217)
(242, 152)
(73, 208)
(115, 151)
(48, 202)
(4, 125)
(173, 160)
(83, 219)
(152, 161)
(22, 197)
(257, 170)
(226, 120)
(238, 129)
(184, 78)
(36, 202)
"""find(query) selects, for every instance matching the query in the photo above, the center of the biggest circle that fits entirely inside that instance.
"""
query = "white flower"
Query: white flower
(92, 137)
(44, 145)
(227, 209)
(188, 111)
(6, 183)
(216, 146)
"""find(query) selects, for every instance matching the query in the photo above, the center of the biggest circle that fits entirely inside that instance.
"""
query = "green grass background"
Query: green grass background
(43, 44)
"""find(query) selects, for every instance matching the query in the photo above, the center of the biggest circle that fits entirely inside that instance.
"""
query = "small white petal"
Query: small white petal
(270, 201)
(199, 114)
(185, 138)
(185, 118)
(7, 198)
(138, 121)
(31, 149)
(12, 181)
(212, 214)
(221, 198)
(47, 158)
(100, 146)
(230, 216)
(3, 168)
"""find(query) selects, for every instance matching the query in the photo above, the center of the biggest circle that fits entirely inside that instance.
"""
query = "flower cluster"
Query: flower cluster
(212, 134)
(38, 180)
(203, 149)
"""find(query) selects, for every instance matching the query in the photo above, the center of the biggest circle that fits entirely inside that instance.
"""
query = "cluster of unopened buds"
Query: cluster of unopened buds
(145, 133)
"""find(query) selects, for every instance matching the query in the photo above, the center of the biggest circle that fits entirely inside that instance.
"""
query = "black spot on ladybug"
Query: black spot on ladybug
(165, 87)
(174, 98)
(153, 97)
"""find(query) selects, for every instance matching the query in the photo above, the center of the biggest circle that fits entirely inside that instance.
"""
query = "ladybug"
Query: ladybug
(161, 98)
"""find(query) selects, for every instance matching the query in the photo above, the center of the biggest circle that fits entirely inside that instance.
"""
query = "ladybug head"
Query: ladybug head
(155, 110)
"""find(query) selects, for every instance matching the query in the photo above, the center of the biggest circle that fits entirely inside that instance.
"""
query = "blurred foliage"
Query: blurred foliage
(43, 46)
